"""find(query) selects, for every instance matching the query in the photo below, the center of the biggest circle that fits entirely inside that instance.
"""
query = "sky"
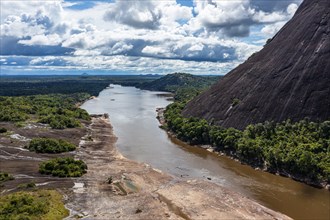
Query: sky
(135, 36)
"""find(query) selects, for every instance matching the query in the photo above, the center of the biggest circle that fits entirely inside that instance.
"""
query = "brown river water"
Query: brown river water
(133, 116)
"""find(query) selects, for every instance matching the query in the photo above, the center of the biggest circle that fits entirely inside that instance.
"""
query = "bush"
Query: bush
(50, 145)
(42, 204)
(27, 185)
(3, 130)
(235, 102)
(63, 167)
(60, 121)
(5, 177)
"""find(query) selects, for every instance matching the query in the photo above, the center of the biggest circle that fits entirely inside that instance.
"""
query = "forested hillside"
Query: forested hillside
(184, 85)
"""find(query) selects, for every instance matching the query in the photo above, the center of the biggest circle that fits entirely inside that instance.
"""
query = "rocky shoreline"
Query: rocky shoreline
(115, 187)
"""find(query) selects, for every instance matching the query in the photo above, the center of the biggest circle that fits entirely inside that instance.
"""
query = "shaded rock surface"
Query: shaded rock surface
(288, 79)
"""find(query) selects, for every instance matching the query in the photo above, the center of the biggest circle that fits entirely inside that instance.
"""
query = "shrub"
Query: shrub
(5, 177)
(3, 130)
(63, 167)
(60, 121)
(42, 204)
(50, 145)
(27, 185)
(235, 102)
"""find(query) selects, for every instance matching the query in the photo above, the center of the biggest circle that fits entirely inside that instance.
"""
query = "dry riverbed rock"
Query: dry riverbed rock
(116, 187)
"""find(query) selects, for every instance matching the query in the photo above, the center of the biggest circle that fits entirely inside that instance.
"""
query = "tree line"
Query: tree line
(298, 149)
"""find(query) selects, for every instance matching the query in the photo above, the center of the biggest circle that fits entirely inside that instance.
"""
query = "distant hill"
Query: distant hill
(171, 82)
(84, 75)
(288, 79)
(184, 85)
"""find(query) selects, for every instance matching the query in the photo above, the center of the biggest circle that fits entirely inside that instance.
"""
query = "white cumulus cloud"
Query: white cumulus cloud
(212, 36)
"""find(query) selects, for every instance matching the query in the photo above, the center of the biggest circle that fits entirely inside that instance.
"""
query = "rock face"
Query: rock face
(288, 79)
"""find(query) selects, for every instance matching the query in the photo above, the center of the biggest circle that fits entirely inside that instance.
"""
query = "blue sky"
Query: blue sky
(88, 4)
(135, 37)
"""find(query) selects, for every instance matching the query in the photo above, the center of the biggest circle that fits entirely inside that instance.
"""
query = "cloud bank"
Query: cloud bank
(203, 36)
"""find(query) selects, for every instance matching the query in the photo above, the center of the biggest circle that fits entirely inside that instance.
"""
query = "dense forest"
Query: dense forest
(39, 85)
(300, 150)
(57, 110)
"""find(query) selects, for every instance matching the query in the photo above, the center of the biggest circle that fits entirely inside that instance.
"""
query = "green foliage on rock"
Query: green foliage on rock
(29, 185)
(42, 204)
(50, 145)
(235, 102)
(300, 149)
(189, 92)
(59, 111)
(63, 167)
(5, 177)
(60, 121)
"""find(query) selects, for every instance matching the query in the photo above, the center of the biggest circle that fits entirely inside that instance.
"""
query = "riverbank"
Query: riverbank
(254, 164)
(115, 187)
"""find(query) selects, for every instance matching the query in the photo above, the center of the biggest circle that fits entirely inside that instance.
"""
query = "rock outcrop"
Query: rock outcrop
(288, 79)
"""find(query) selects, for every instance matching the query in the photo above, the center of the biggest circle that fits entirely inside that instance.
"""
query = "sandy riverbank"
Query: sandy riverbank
(137, 191)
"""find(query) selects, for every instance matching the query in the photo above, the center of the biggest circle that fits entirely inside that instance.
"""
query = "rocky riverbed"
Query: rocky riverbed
(115, 187)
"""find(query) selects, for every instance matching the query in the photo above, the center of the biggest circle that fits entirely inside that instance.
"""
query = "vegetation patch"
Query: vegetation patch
(59, 111)
(300, 149)
(50, 145)
(63, 167)
(5, 177)
(235, 102)
(27, 185)
(41, 204)
(3, 130)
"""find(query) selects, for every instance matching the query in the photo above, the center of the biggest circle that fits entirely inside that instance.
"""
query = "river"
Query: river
(133, 116)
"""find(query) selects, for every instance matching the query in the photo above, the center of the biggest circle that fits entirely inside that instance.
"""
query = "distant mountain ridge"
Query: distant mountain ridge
(288, 79)
(174, 81)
